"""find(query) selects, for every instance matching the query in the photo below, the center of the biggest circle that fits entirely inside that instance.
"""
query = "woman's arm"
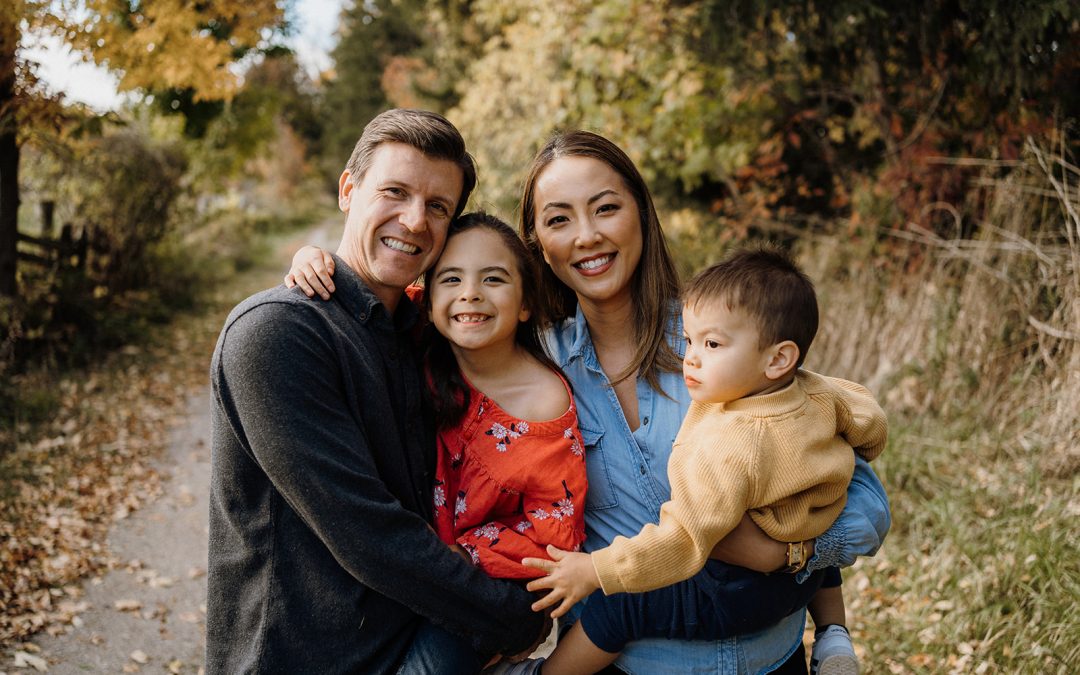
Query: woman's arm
(748, 546)
(861, 527)
(312, 269)
(858, 531)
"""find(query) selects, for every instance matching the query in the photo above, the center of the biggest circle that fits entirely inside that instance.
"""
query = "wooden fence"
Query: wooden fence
(66, 251)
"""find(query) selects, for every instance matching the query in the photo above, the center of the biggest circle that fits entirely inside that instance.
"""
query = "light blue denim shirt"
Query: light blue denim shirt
(628, 482)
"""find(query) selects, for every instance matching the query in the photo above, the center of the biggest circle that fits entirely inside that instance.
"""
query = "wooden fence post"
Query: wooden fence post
(48, 210)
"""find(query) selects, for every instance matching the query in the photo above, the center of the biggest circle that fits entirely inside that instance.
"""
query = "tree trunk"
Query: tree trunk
(9, 154)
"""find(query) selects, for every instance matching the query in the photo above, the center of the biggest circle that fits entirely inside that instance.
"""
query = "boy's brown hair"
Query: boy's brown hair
(768, 286)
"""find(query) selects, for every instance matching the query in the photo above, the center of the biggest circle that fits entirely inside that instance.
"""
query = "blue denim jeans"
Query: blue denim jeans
(435, 651)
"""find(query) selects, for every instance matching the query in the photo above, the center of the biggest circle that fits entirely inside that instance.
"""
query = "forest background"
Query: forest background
(919, 158)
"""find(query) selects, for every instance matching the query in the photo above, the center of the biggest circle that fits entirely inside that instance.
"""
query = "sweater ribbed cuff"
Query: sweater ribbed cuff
(604, 563)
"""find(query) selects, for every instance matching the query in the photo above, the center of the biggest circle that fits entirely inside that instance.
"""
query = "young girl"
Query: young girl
(510, 475)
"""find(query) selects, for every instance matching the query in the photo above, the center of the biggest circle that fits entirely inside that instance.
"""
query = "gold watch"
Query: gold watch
(796, 557)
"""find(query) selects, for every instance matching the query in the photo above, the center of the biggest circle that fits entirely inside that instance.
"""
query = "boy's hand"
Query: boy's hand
(312, 269)
(571, 577)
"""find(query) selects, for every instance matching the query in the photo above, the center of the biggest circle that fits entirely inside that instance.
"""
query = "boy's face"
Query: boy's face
(723, 361)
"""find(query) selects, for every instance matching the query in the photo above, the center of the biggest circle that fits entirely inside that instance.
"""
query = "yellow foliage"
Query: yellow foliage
(168, 44)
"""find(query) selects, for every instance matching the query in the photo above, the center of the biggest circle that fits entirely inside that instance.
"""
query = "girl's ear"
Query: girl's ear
(782, 359)
(524, 314)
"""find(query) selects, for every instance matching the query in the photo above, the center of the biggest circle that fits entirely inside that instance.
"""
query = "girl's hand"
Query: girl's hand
(312, 269)
(571, 577)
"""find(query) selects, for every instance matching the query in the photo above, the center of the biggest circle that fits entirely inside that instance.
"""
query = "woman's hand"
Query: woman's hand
(570, 578)
(748, 546)
(312, 269)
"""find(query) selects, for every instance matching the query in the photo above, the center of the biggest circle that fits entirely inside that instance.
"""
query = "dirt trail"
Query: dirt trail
(148, 615)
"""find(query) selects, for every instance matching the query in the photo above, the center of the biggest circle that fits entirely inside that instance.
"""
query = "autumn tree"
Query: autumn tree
(160, 45)
(760, 109)
(374, 36)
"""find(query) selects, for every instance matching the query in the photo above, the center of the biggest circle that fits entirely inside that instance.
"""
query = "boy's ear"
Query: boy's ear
(782, 359)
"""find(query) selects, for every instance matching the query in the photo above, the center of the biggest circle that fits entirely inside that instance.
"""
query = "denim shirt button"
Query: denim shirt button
(645, 421)
(642, 468)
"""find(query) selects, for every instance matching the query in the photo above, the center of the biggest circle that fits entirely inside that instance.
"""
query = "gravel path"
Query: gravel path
(149, 614)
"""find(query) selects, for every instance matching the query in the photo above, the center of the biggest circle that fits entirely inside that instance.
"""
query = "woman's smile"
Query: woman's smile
(595, 265)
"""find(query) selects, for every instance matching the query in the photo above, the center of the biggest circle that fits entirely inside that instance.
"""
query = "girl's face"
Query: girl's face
(476, 292)
(589, 227)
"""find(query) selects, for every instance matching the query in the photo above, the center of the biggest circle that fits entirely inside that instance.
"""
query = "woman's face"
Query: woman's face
(589, 227)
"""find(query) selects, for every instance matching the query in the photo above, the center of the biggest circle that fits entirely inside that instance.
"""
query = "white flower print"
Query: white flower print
(575, 447)
(540, 514)
(471, 550)
(489, 532)
(504, 435)
(439, 496)
(460, 505)
(565, 507)
(522, 526)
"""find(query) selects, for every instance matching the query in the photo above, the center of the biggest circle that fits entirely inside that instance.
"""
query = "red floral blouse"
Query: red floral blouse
(505, 488)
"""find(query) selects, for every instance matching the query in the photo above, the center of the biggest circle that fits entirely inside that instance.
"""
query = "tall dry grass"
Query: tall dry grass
(973, 345)
(985, 331)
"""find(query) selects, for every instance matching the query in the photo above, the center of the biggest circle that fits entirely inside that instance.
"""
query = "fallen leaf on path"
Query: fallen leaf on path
(127, 605)
(24, 660)
(175, 665)
(139, 656)
(188, 617)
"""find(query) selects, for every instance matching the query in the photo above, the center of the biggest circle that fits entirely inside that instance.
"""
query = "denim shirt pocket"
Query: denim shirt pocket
(601, 493)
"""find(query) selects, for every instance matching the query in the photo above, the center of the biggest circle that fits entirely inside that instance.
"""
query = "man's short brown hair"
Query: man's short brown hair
(428, 132)
(768, 286)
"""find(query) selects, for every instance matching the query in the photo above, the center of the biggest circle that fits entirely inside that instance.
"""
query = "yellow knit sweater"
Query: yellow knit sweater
(785, 457)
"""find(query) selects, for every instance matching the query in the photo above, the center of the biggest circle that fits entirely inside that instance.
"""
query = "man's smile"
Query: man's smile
(399, 245)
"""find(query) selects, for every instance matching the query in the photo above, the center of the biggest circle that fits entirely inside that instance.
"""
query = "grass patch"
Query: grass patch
(980, 572)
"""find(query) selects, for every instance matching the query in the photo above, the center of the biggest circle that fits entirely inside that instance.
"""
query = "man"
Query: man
(321, 558)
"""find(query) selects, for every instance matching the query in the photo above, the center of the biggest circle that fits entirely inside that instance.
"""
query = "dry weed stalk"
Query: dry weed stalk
(986, 329)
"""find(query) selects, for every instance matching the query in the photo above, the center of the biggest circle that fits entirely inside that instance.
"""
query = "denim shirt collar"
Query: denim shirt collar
(581, 345)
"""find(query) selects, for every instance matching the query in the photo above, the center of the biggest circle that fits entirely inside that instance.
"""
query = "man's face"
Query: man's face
(397, 217)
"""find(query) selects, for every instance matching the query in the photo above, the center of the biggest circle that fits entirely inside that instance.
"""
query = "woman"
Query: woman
(609, 291)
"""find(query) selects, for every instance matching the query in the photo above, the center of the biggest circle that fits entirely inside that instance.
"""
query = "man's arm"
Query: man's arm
(279, 378)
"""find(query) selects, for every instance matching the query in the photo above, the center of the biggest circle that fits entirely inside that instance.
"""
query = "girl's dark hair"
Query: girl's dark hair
(654, 284)
(448, 391)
